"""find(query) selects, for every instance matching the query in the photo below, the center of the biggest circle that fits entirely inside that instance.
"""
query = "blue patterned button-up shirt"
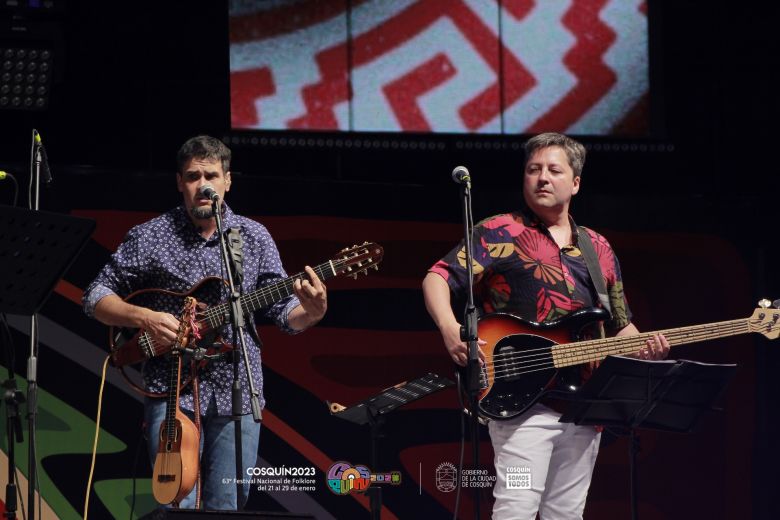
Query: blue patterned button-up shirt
(168, 252)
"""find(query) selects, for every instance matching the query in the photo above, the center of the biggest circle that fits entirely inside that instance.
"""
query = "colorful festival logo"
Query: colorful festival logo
(344, 478)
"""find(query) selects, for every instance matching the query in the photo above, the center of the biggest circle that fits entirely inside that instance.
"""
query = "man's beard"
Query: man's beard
(202, 212)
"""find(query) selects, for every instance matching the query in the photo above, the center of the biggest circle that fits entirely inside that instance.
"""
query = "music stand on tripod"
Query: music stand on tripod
(373, 410)
(667, 395)
(36, 249)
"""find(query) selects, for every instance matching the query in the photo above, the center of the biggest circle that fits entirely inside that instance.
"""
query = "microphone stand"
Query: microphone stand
(38, 154)
(468, 334)
(238, 324)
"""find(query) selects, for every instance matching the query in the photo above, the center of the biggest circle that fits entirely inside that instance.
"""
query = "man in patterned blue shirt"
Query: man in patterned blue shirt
(174, 251)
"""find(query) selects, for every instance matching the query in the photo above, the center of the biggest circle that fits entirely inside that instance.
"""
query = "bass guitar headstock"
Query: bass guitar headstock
(766, 319)
(354, 260)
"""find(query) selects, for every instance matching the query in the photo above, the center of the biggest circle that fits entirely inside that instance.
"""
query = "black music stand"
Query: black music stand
(372, 412)
(664, 395)
(36, 249)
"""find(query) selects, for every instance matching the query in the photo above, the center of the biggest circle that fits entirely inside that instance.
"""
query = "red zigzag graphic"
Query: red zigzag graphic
(403, 92)
(333, 88)
(594, 78)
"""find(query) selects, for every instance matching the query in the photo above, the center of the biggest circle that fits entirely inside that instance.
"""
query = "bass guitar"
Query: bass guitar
(525, 360)
(131, 346)
(176, 464)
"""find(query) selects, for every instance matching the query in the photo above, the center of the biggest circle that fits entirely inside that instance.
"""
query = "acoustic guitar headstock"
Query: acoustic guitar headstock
(354, 260)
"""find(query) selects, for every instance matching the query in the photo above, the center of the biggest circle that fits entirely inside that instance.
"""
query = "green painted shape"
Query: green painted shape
(62, 430)
(117, 496)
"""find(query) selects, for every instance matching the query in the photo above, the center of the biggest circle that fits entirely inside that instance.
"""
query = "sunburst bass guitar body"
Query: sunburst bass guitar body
(519, 368)
(524, 361)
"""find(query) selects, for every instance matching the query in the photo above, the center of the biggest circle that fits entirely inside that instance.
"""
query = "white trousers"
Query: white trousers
(559, 458)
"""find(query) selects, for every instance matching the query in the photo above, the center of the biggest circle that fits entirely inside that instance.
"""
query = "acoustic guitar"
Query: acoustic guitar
(130, 345)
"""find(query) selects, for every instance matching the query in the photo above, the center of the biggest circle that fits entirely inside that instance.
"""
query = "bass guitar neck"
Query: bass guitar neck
(525, 360)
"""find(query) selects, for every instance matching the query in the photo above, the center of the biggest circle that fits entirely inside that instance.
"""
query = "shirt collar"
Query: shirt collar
(530, 219)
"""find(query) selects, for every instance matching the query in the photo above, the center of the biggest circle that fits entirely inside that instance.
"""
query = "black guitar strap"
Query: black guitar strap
(594, 269)
(235, 245)
(236, 249)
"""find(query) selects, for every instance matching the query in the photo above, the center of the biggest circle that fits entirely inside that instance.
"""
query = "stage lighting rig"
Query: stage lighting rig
(25, 77)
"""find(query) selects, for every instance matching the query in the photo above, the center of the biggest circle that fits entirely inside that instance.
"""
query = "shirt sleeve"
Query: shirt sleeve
(270, 271)
(610, 267)
(621, 313)
(452, 267)
(122, 275)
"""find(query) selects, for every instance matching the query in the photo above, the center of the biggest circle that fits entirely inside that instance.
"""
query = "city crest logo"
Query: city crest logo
(344, 478)
(446, 477)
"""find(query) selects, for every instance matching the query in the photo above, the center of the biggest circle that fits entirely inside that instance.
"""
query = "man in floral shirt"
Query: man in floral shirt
(529, 263)
(175, 251)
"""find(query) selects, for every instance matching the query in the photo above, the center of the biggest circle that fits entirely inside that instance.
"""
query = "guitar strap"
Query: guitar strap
(236, 250)
(594, 269)
(235, 247)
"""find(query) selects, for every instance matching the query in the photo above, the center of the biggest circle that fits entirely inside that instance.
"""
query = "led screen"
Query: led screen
(453, 66)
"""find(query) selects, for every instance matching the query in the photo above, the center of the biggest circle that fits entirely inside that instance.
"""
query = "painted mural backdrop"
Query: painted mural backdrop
(377, 334)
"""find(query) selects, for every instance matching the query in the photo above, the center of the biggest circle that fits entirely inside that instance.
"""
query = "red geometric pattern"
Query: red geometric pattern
(403, 92)
(594, 78)
(440, 66)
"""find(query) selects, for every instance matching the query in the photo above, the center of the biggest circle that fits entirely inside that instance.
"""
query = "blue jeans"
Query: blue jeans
(217, 454)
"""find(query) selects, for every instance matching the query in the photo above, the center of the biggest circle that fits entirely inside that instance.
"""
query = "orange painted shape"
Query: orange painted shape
(69, 291)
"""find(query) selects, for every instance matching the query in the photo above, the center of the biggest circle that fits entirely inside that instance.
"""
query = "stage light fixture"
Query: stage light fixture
(25, 77)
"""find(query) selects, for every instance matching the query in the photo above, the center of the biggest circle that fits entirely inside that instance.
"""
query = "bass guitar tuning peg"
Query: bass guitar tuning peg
(776, 304)
(764, 303)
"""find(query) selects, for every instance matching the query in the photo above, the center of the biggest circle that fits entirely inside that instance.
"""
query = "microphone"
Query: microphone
(43, 159)
(461, 175)
(7, 175)
(208, 191)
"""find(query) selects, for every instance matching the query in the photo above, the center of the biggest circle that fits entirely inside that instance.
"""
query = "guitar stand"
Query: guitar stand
(664, 395)
(12, 398)
(373, 410)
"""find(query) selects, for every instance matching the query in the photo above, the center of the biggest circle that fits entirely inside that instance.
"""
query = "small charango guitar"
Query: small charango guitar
(176, 465)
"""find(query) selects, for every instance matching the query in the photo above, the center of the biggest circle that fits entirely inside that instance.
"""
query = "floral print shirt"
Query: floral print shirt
(518, 268)
(169, 253)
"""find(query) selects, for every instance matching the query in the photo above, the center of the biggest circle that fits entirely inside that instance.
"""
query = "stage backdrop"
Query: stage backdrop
(465, 66)
(376, 334)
